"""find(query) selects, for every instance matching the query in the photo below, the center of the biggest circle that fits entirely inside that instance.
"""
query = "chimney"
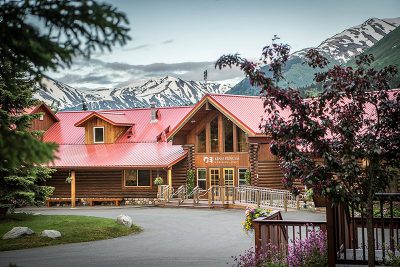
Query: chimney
(153, 112)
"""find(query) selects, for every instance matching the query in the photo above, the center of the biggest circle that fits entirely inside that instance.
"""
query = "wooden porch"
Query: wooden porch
(346, 232)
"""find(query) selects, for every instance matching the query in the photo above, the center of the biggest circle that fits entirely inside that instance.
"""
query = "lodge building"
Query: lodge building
(119, 153)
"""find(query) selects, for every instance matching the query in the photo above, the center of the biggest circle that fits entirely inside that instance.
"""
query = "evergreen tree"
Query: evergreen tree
(38, 36)
(84, 105)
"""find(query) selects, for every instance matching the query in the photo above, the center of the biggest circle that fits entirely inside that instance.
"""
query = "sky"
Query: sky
(182, 38)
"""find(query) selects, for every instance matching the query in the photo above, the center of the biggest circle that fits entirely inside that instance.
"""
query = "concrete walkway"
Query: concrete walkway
(171, 237)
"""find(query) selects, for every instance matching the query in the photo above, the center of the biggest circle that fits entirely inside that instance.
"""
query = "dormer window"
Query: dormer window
(98, 134)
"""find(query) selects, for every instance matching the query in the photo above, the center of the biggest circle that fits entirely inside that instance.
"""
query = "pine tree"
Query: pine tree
(38, 36)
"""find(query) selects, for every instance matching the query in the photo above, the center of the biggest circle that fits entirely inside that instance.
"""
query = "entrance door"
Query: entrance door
(229, 178)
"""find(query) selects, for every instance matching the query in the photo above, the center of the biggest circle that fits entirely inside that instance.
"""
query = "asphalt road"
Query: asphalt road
(171, 237)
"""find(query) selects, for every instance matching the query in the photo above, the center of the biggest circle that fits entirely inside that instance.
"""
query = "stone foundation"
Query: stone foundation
(139, 201)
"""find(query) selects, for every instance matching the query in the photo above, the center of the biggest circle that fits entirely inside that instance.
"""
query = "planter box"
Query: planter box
(319, 201)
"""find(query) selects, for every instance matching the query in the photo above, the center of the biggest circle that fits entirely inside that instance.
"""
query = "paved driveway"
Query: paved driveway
(171, 237)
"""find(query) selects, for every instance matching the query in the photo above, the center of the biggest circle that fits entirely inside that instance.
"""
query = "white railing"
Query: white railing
(181, 194)
(195, 194)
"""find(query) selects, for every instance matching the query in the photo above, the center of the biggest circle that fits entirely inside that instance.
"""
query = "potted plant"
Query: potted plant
(159, 181)
(319, 201)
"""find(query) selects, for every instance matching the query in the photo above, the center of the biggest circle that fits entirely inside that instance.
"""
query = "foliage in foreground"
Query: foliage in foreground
(310, 252)
(73, 229)
(355, 118)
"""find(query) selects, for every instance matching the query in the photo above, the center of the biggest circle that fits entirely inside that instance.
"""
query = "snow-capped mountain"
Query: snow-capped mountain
(353, 41)
(167, 91)
(339, 49)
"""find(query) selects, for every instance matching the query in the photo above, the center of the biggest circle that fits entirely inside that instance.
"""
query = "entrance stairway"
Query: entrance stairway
(226, 197)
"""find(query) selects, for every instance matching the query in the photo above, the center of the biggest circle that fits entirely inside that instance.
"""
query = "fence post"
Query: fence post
(331, 234)
(209, 197)
(257, 236)
(297, 202)
(258, 198)
(285, 202)
(271, 201)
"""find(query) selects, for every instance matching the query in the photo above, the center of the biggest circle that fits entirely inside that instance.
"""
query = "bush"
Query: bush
(190, 181)
(310, 252)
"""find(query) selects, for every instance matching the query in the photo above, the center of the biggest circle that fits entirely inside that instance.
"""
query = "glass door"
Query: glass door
(229, 178)
(214, 181)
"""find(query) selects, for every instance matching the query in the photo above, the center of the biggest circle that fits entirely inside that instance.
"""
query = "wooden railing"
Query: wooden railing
(347, 234)
(262, 197)
(282, 233)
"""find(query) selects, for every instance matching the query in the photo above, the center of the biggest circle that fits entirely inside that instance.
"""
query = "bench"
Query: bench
(117, 201)
(59, 200)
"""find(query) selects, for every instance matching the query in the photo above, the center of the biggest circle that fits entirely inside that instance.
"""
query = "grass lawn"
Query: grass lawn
(73, 229)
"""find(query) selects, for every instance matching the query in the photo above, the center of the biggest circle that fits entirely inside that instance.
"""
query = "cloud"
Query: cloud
(168, 41)
(95, 73)
(136, 47)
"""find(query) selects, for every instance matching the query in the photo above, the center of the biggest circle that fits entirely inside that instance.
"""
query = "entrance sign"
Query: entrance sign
(221, 159)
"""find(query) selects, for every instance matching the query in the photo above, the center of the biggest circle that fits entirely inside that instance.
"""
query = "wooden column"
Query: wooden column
(169, 176)
(73, 190)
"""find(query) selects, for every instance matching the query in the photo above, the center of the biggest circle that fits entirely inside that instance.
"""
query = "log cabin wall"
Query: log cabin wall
(179, 173)
(111, 132)
(44, 123)
(102, 183)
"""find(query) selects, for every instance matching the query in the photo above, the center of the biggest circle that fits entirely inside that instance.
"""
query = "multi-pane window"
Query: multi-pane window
(214, 135)
(201, 178)
(201, 141)
(228, 135)
(241, 140)
(137, 178)
(242, 176)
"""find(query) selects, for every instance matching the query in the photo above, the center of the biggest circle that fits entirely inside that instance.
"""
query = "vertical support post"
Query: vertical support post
(73, 190)
(258, 198)
(209, 196)
(331, 234)
(271, 201)
(169, 176)
(223, 195)
(297, 202)
(285, 202)
(257, 236)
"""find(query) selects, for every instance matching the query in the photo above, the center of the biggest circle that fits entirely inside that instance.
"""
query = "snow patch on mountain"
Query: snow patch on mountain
(166, 91)
(353, 41)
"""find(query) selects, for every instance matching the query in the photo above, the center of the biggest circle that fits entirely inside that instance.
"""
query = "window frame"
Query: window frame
(197, 173)
(238, 175)
(137, 179)
(94, 135)
(205, 140)
(41, 116)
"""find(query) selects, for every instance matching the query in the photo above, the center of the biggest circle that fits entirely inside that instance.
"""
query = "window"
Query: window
(241, 140)
(201, 178)
(137, 178)
(228, 135)
(201, 141)
(98, 134)
(41, 117)
(242, 176)
(214, 135)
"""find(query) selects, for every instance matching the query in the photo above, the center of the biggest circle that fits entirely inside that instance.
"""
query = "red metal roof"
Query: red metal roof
(112, 117)
(118, 155)
(65, 131)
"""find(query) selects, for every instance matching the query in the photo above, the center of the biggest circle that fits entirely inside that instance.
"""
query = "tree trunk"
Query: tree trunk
(370, 234)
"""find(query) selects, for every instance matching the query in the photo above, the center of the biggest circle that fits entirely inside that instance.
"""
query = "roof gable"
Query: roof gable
(34, 109)
(114, 118)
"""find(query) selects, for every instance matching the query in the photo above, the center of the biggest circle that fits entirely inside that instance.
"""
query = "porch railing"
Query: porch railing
(282, 233)
(165, 193)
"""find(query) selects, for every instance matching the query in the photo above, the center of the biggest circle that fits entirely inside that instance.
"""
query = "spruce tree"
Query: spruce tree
(37, 36)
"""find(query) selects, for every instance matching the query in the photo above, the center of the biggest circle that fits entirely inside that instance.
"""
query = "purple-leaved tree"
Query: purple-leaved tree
(345, 143)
